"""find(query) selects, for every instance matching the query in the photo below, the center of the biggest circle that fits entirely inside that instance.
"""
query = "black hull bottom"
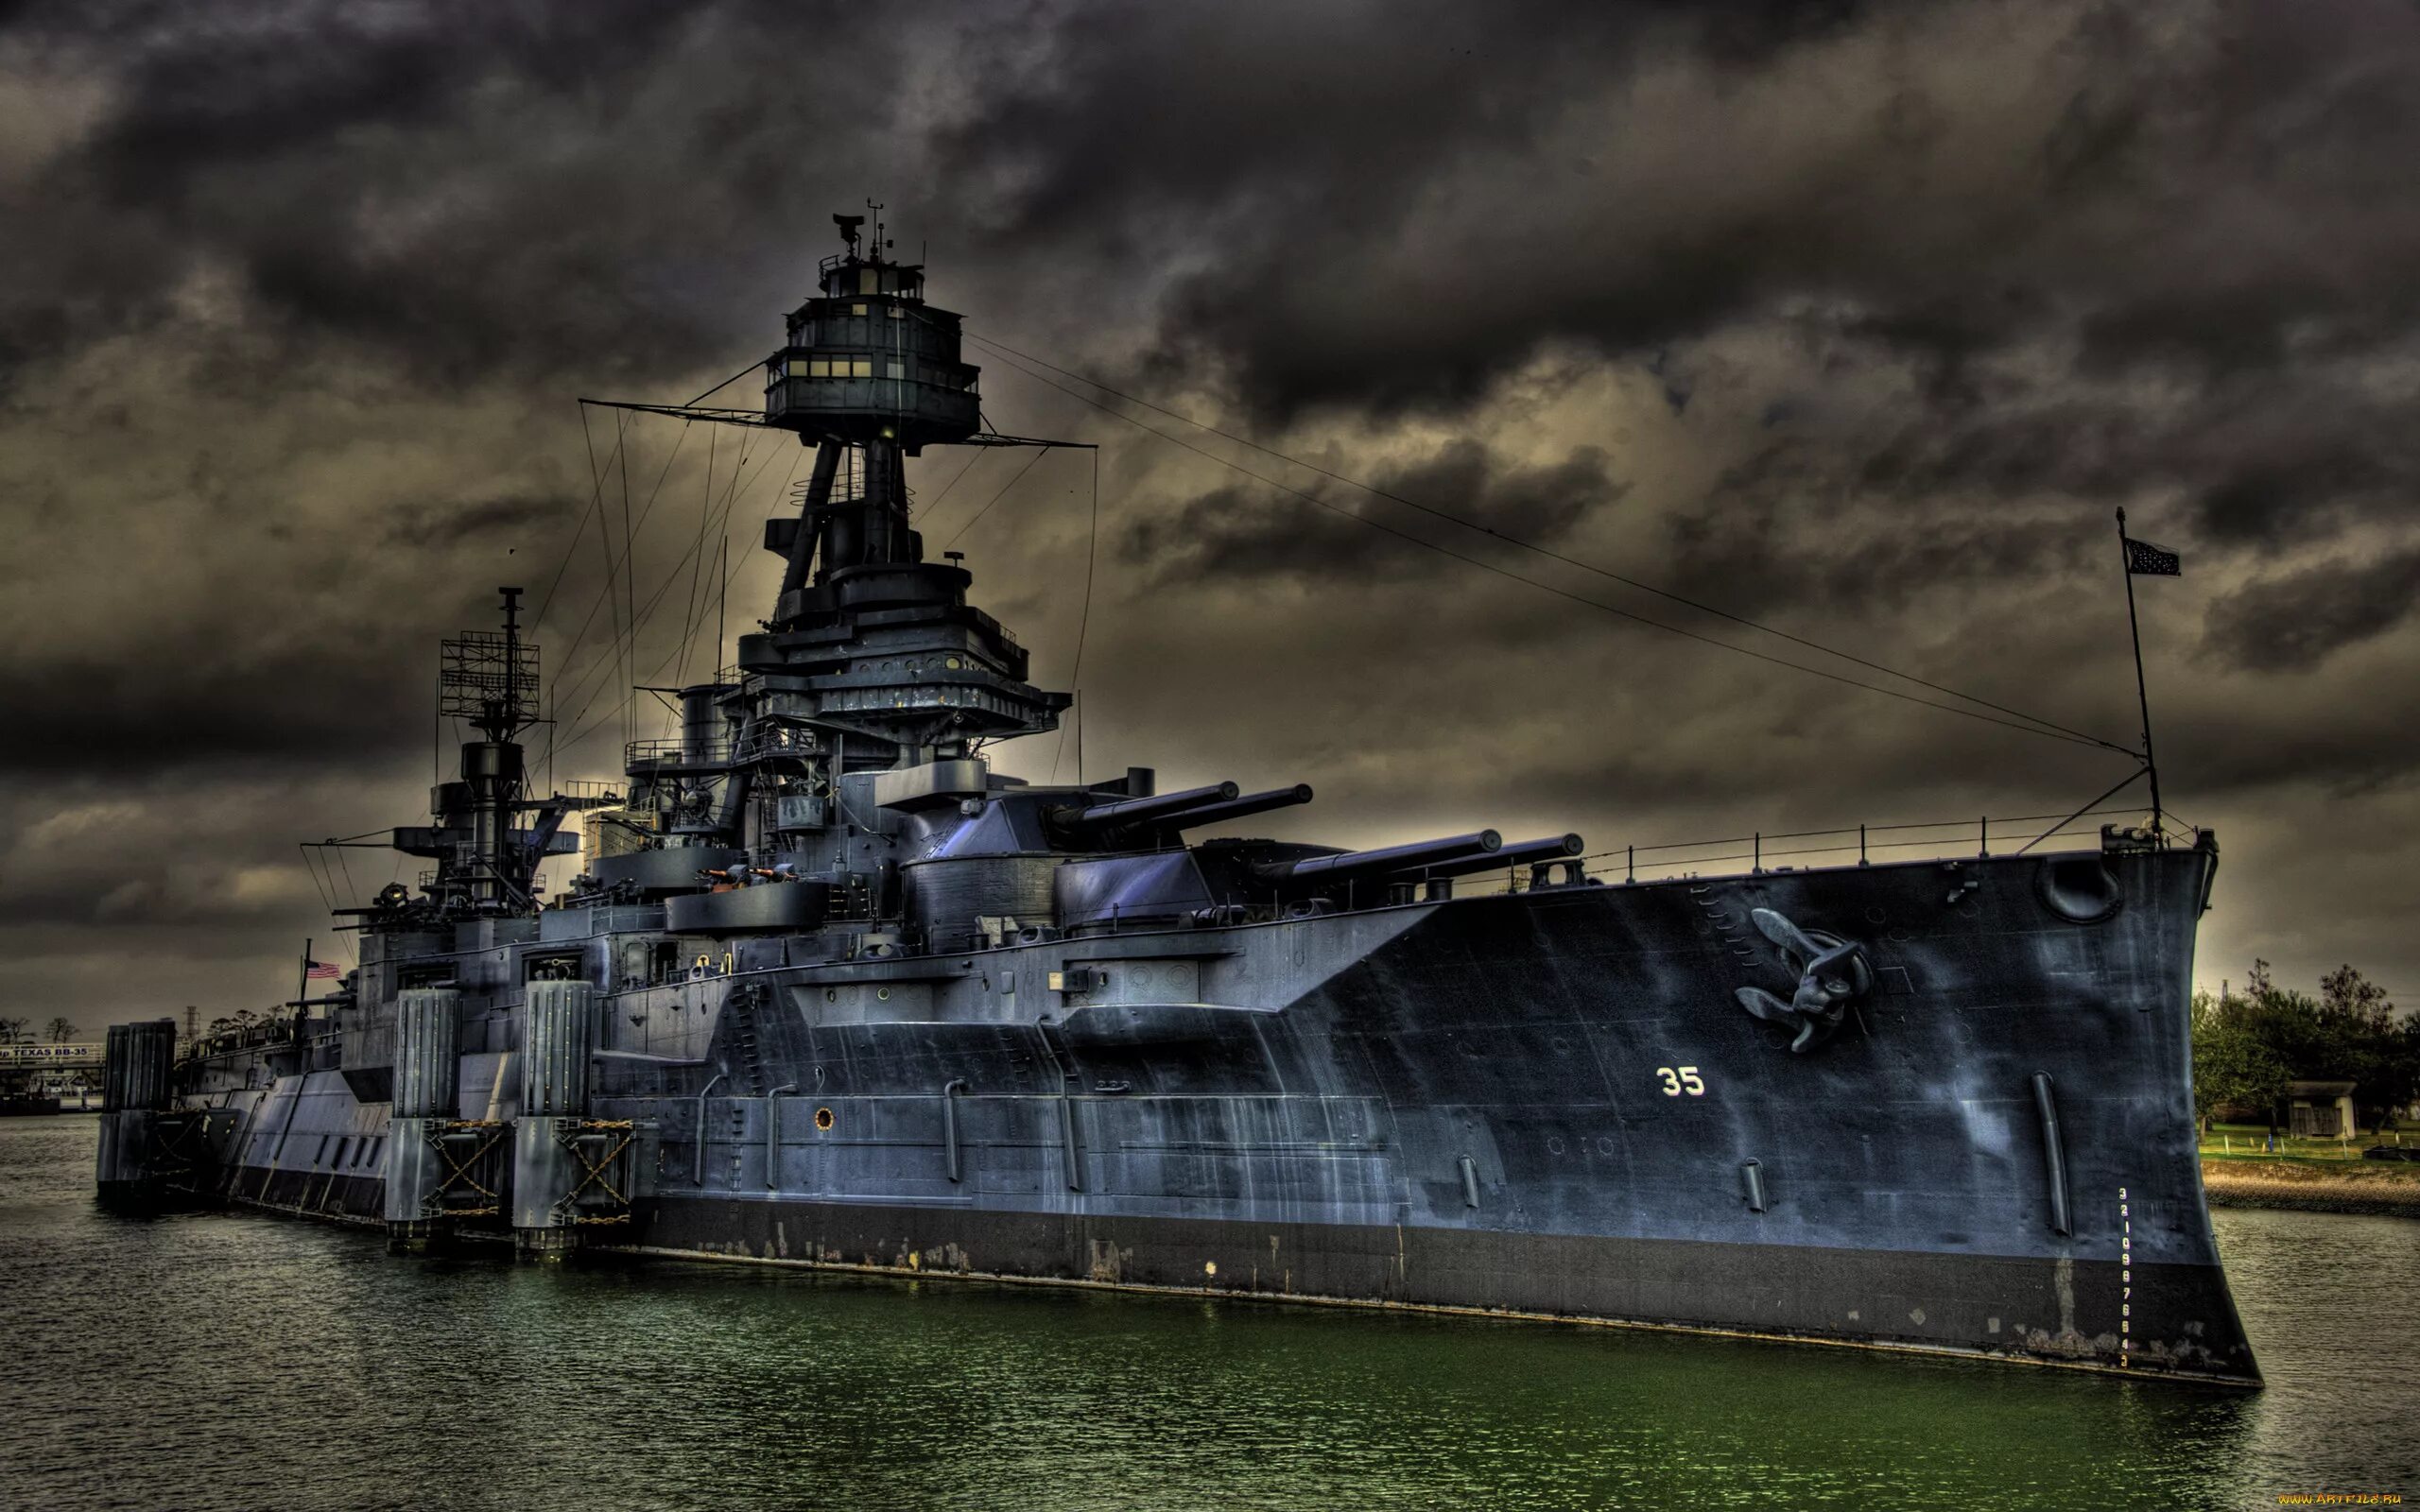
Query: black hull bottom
(2047, 1311)
(2053, 1312)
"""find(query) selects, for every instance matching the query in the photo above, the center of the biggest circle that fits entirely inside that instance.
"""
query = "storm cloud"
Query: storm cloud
(2295, 621)
(1857, 321)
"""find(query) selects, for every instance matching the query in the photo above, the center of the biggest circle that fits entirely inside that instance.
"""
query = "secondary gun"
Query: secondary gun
(1250, 803)
(1354, 865)
(1458, 855)
(1128, 812)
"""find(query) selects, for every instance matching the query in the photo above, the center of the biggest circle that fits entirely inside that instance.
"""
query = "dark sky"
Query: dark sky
(1856, 320)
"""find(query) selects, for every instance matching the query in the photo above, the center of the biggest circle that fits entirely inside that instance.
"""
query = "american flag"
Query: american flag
(318, 971)
(2143, 560)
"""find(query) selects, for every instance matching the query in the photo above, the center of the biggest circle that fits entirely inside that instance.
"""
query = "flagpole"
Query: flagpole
(2142, 689)
(302, 983)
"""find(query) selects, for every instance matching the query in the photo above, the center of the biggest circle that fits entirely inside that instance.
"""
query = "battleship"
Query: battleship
(830, 991)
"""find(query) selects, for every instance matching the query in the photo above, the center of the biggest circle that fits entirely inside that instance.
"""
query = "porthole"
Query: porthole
(831, 994)
(882, 993)
(823, 1118)
(953, 664)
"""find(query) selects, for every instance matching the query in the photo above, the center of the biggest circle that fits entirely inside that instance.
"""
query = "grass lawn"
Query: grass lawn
(2250, 1141)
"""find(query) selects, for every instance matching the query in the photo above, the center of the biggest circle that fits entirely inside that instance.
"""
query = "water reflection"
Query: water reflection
(234, 1361)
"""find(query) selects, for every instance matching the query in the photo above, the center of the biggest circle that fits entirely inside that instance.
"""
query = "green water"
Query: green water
(234, 1361)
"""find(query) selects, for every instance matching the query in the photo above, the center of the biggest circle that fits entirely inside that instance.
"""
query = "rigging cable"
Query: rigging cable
(2042, 728)
(726, 383)
(1525, 545)
(588, 680)
(693, 618)
(328, 898)
(613, 599)
(716, 521)
(730, 573)
(693, 622)
(697, 557)
(353, 895)
(624, 649)
(580, 730)
(2129, 782)
(311, 866)
(1083, 623)
(595, 498)
(995, 498)
(595, 502)
(602, 598)
(724, 572)
(977, 456)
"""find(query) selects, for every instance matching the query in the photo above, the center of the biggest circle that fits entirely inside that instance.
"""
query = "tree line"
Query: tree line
(20, 1031)
(2248, 1045)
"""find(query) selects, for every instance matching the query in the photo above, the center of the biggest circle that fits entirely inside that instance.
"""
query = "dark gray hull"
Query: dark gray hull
(1466, 1105)
(2050, 1312)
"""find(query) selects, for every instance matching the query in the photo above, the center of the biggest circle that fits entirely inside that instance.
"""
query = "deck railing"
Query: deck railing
(1757, 853)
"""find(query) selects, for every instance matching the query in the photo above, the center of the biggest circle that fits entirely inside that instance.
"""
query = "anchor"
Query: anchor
(1831, 972)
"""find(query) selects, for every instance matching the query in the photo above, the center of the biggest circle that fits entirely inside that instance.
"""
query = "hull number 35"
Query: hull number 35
(1685, 1078)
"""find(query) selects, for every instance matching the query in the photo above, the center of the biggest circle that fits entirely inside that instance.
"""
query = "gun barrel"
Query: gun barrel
(1558, 848)
(1143, 810)
(1423, 854)
(1250, 803)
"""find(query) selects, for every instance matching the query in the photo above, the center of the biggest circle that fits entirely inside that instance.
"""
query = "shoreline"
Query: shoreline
(2374, 1188)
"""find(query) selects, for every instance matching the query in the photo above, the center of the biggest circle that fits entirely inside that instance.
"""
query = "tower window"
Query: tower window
(898, 370)
(861, 368)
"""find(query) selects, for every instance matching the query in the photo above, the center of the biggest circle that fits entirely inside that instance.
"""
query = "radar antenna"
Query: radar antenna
(491, 679)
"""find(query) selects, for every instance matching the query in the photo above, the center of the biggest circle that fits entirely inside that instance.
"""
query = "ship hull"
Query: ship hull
(1551, 1103)
(2059, 1312)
